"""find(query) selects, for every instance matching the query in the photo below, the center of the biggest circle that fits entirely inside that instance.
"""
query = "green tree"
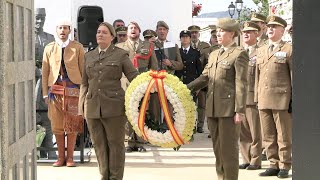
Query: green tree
(262, 8)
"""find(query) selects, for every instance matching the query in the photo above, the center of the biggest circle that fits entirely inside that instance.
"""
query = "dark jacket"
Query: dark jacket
(192, 66)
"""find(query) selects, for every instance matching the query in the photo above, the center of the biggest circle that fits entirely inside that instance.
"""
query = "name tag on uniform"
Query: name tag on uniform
(253, 60)
(280, 55)
(144, 51)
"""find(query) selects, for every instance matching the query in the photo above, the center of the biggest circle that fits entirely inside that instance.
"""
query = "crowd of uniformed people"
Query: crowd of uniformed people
(243, 92)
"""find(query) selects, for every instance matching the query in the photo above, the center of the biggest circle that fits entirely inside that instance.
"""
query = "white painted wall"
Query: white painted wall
(176, 13)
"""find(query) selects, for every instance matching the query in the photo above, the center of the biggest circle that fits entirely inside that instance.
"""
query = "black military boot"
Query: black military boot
(270, 172)
(283, 173)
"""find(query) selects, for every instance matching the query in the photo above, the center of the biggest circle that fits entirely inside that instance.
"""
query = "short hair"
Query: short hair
(117, 20)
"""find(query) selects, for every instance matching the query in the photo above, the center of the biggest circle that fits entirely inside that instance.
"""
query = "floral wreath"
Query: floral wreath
(168, 87)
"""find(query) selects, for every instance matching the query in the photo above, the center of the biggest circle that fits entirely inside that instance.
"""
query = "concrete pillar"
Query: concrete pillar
(306, 90)
(17, 106)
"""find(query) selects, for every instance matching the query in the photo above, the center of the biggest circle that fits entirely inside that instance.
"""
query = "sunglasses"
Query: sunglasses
(122, 35)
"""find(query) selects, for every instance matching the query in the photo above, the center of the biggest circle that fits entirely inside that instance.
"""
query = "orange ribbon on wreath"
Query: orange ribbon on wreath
(157, 78)
(144, 57)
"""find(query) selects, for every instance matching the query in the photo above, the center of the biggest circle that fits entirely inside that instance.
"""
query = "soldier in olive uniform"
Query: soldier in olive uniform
(250, 134)
(214, 46)
(226, 78)
(102, 101)
(262, 40)
(170, 65)
(203, 47)
(273, 94)
(121, 34)
(42, 39)
(261, 21)
(149, 35)
(137, 48)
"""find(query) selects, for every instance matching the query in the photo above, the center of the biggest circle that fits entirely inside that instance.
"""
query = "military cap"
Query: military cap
(110, 27)
(40, 11)
(185, 32)
(162, 24)
(194, 28)
(64, 22)
(228, 24)
(258, 17)
(136, 24)
(276, 20)
(250, 26)
(213, 29)
(121, 30)
(149, 33)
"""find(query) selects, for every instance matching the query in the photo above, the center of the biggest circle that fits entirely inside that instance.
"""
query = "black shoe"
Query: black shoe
(209, 136)
(283, 173)
(270, 172)
(131, 149)
(142, 149)
(199, 130)
(253, 167)
(264, 157)
(243, 166)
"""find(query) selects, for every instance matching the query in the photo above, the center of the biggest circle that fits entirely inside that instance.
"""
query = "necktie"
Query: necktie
(194, 46)
(185, 51)
(221, 51)
(271, 48)
(101, 54)
(134, 46)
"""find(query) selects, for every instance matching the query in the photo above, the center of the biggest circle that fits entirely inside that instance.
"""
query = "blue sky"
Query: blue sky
(220, 5)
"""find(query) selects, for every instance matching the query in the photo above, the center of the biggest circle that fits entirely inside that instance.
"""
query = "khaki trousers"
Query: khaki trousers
(201, 108)
(225, 137)
(55, 114)
(107, 135)
(277, 136)
(250, 137)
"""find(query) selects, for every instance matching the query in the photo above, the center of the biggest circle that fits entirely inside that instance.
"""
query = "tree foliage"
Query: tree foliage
(262, 8)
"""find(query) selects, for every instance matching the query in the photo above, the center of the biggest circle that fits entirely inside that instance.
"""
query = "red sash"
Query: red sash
(140, 56)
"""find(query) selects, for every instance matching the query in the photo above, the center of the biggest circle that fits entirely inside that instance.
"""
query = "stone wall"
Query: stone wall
(17, 105)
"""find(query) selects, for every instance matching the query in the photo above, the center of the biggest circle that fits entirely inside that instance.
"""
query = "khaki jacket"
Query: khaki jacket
(101, 95)
(207, 52)
(176, 63)
(142, 49)
(203, 47)
(263, 40)
(251, 75)
(226, 77)
(273, 77)
(143, 65)
(73, 59)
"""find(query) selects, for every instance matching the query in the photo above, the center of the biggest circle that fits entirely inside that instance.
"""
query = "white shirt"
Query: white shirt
(188, 48)
(63, 44)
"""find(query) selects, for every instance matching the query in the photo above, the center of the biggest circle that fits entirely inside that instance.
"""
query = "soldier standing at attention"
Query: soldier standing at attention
(149, 35)
(121, 34)
(203, 47)
(273, 94)
(250, 134)
(117, 23)
(192, 67)
(102, 101)
(170, 65)
(261, 21)
(214, 46)
(135, 48)
(226, 78)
